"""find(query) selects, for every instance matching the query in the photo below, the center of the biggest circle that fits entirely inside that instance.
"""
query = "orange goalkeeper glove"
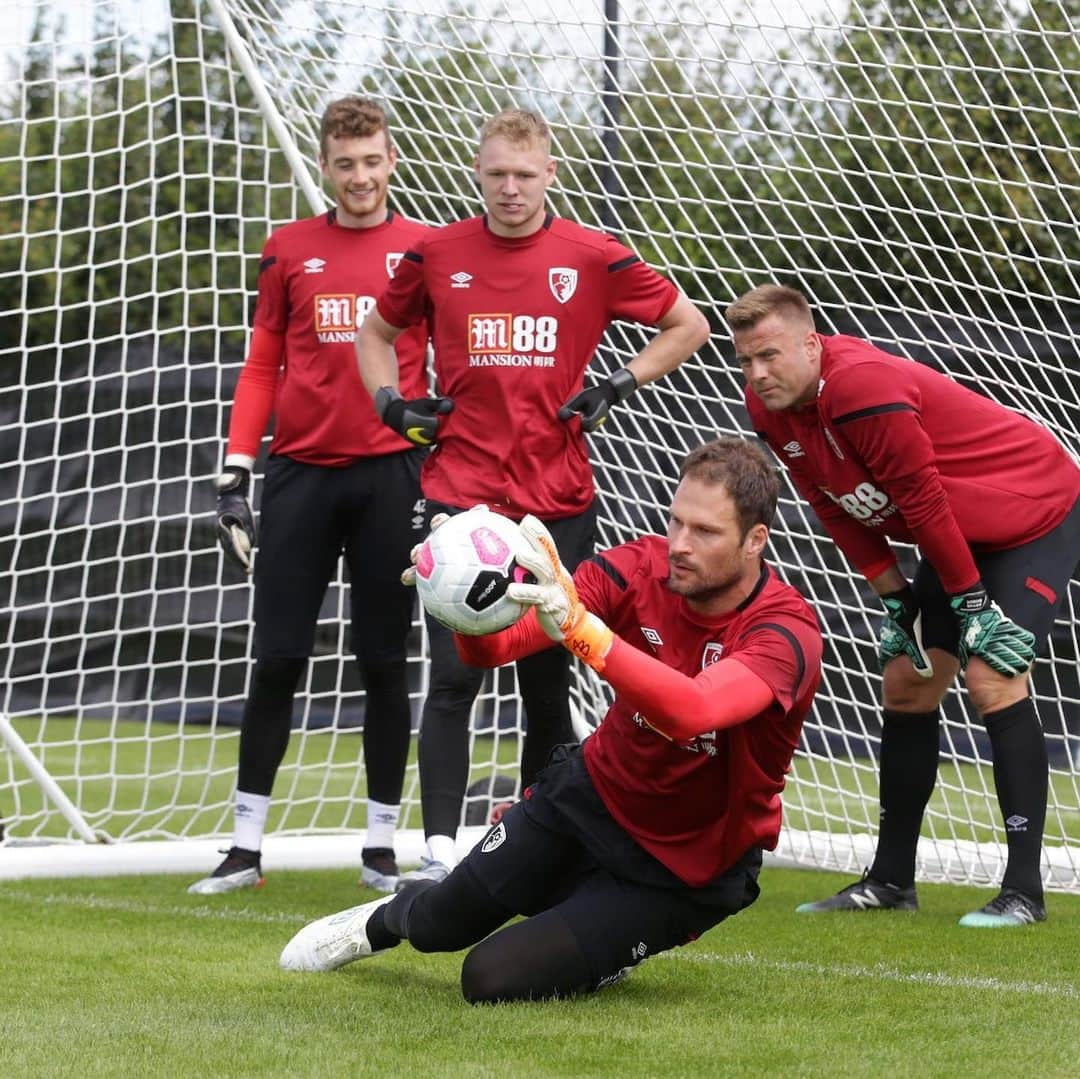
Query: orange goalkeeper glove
(561, 615)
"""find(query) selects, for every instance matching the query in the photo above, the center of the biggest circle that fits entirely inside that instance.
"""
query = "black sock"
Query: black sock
(908, 768)
(379, 936)
(387, 729)
(1021, 775)
(267, 721)
(544, 682)
(444, 733)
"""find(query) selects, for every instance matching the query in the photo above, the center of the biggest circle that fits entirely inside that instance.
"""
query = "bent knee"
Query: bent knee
(990, 691)
(484, 981)
(906, 691)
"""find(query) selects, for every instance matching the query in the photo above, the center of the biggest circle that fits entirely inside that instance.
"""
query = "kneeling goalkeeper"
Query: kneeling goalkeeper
(651, 832)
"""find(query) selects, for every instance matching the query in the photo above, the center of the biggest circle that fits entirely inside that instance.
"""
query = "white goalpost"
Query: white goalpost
(914, 168)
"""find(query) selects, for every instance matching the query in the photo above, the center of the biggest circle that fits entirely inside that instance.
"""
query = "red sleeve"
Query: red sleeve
(881, 419)
(784, 652)
(272, 305)
(725, 694)
(255, 392)
(494, 649)
(636, 292)
(404, 301)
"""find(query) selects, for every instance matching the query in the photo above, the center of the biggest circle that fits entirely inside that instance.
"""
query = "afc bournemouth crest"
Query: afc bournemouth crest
(393, 259)
(563, 282)
(711, 654)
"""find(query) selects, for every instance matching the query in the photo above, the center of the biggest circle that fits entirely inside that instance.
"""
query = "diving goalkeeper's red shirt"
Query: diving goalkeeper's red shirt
(317, 281)
(892, 448)
(514, 324)
(695, 804)
(698, 805)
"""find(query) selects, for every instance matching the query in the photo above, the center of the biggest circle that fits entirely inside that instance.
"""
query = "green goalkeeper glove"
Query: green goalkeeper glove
(562, 616)
(901, 633)
(985, 632)
(235, 524)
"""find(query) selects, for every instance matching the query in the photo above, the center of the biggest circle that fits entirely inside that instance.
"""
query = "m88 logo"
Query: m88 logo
(513, 333)
(862, 503)
(341, 311)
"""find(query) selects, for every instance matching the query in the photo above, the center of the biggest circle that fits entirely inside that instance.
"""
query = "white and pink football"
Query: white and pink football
(463, 569)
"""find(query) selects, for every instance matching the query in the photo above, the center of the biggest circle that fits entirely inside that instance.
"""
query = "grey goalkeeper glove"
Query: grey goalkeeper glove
(235, 524)
(901, 633)
(985, 632)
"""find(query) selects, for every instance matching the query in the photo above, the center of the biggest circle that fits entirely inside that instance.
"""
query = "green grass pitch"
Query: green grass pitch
(133, 977)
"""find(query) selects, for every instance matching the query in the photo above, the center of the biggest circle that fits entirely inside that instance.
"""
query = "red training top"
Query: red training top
(894, 448)
(515, 323)
(317, 281)
(744, 679)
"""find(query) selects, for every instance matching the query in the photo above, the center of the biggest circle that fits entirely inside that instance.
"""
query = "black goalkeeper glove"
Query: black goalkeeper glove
(901, 633)
(235, 525)
(594, 403)
(417, 420)
(985, 632)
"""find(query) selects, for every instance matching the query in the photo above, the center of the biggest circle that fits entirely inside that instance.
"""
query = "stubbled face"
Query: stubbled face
(780, 357)
(708, 561)
(514, 178)
(358, 171)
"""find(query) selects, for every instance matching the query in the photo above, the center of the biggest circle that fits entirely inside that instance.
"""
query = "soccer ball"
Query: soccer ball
(463, 569)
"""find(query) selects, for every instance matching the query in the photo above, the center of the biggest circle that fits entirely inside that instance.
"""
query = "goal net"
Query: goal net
(914, 167)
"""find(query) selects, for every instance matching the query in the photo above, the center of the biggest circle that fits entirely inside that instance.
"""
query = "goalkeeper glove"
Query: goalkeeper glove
(235, 524)
(985, 632)
(901, 633)
(562, 616)
(594, 403)
(417, 420)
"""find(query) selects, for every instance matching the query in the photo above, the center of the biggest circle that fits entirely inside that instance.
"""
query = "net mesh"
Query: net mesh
(914, 168)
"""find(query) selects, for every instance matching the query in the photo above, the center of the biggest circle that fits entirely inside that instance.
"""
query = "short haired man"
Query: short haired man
(885, 448)
(337, 480)
(652, 830)
(518, 300)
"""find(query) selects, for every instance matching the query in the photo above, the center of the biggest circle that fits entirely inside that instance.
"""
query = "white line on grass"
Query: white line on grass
(91, 902)
(879, 972)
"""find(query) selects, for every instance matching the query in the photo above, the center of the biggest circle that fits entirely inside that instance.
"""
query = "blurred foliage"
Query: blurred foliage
(925, 157)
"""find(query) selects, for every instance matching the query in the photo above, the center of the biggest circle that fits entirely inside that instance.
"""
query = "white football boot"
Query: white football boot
(333, 941)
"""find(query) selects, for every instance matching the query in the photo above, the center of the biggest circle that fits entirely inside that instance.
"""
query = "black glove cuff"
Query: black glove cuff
(623, 383)
(389, 404)
(971, 600)
(234, 480)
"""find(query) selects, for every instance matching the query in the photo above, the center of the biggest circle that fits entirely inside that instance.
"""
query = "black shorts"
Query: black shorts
(1028, 583)
(559, 849)
(309, 515)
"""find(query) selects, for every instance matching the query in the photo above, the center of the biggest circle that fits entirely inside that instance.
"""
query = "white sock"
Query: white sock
(441, 848)
(382, 821)
(249, 820)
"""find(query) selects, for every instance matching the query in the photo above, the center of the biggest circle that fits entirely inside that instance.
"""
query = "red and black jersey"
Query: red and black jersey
(317, 281)
(698, 805)
(515, 322)
(892, 448)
